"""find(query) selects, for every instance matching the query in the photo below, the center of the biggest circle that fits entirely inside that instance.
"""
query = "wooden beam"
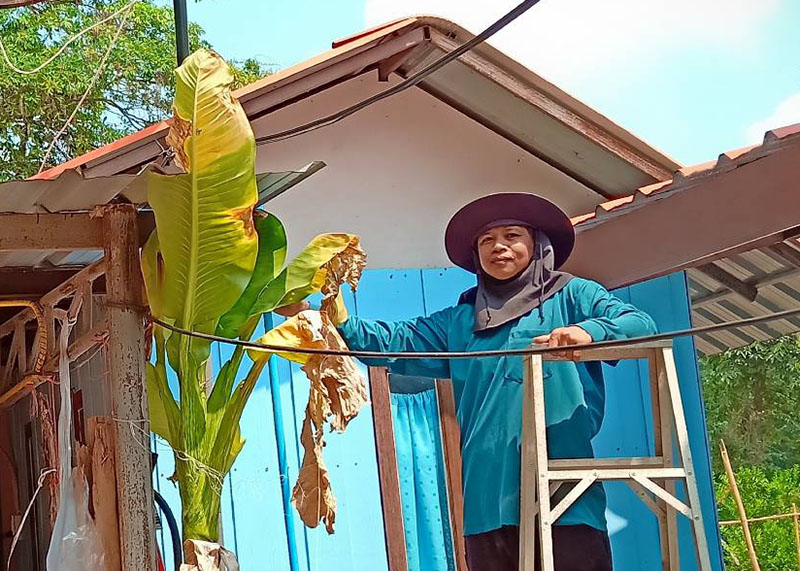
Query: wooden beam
(60, 231)
(391, 64)
(32, 283)
(88, 274)
(387, 469)
(126, 367)
(50, 232)
(759, 283)
(716, 273)
(785, 252)
(451, 443)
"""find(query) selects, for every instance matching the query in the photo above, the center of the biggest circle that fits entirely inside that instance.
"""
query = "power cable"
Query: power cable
(493, 353)
(410, 81)
(101, 66)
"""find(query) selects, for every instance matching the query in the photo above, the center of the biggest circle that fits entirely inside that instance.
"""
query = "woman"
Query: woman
(515, 243)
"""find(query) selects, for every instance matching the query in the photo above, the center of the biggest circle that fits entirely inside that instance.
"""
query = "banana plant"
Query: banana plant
(214, 264)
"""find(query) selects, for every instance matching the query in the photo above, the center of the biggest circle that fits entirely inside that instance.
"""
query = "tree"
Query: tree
(763, 494)
(752, 397)
(135, 89)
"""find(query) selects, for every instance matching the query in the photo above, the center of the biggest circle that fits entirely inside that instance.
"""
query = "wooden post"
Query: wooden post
(666, 360)
(796, 532)
(387, 469)
(740, 506)
(126, 366)
(104, 487)
(451, 443)
(662, 437)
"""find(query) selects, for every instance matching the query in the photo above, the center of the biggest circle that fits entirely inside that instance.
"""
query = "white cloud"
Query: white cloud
(786, 113)
(572, 42)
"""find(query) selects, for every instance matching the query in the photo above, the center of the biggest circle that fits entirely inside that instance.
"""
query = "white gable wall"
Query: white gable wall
(397, 171)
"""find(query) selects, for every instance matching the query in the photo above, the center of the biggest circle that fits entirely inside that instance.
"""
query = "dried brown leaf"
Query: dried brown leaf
(312, 496)
(338, 390)
(207, 556)
(344, 268)
(179, 131)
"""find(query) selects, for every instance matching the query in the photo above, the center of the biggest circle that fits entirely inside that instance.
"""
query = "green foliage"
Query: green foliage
(763, 494)
(135, 90)
(752, 398)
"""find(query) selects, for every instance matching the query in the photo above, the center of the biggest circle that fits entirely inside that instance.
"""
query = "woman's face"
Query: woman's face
(505, 251)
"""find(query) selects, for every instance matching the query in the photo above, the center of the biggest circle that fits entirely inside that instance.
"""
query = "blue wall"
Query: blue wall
(253, 518)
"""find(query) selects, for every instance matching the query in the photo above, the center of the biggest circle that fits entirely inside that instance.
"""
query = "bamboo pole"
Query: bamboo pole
(740, 506)
(759, 519)
(796, 532)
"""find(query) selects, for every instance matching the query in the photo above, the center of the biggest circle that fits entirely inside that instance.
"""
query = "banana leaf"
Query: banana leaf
(304, 275)
(198, 265)
(269, 263)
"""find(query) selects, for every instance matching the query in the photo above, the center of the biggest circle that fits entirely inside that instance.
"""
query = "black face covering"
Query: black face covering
(500, 301)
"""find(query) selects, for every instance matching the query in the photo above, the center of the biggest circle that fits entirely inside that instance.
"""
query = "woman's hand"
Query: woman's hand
(337, 312)
(564, 337)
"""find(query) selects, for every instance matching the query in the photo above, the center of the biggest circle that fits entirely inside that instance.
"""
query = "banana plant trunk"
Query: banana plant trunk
(201, 500)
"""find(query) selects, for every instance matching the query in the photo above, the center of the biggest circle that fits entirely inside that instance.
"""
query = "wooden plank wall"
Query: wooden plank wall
(253, 521)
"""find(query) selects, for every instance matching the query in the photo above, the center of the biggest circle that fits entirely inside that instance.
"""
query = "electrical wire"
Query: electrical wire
(483, 354)
(63, 47)
(98, 72)
(410, 81)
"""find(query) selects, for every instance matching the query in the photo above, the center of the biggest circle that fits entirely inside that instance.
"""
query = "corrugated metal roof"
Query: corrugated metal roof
(71, 191)
(485, 84)
(775, 273)
(686, 177)
(771, 273)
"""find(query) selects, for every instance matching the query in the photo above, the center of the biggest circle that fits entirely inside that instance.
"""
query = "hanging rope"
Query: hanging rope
(482, 354)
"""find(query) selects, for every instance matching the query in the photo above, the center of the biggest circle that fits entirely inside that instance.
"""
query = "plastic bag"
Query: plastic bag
(208, 556)
(75, 544)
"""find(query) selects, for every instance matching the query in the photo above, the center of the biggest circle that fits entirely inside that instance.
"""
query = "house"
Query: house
(672, 240)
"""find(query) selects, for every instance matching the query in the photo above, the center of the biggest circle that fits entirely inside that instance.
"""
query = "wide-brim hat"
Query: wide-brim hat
(534, 211)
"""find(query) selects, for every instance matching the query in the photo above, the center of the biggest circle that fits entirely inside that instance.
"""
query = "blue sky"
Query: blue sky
(692, 77)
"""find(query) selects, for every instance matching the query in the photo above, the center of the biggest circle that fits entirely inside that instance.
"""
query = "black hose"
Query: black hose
(174, 531)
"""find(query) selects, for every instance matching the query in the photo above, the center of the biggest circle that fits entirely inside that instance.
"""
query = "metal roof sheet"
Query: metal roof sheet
(776, 278)
(485, 84)
(686, 177)
(71, 191)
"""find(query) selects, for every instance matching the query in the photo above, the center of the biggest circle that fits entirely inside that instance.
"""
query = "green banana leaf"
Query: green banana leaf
(215, 266)
(304, 275)
(270, 261)
(153, 270)
(196, 268)
(204, 217)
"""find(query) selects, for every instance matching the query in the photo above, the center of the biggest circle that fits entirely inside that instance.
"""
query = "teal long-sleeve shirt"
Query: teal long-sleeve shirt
(488, 391)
